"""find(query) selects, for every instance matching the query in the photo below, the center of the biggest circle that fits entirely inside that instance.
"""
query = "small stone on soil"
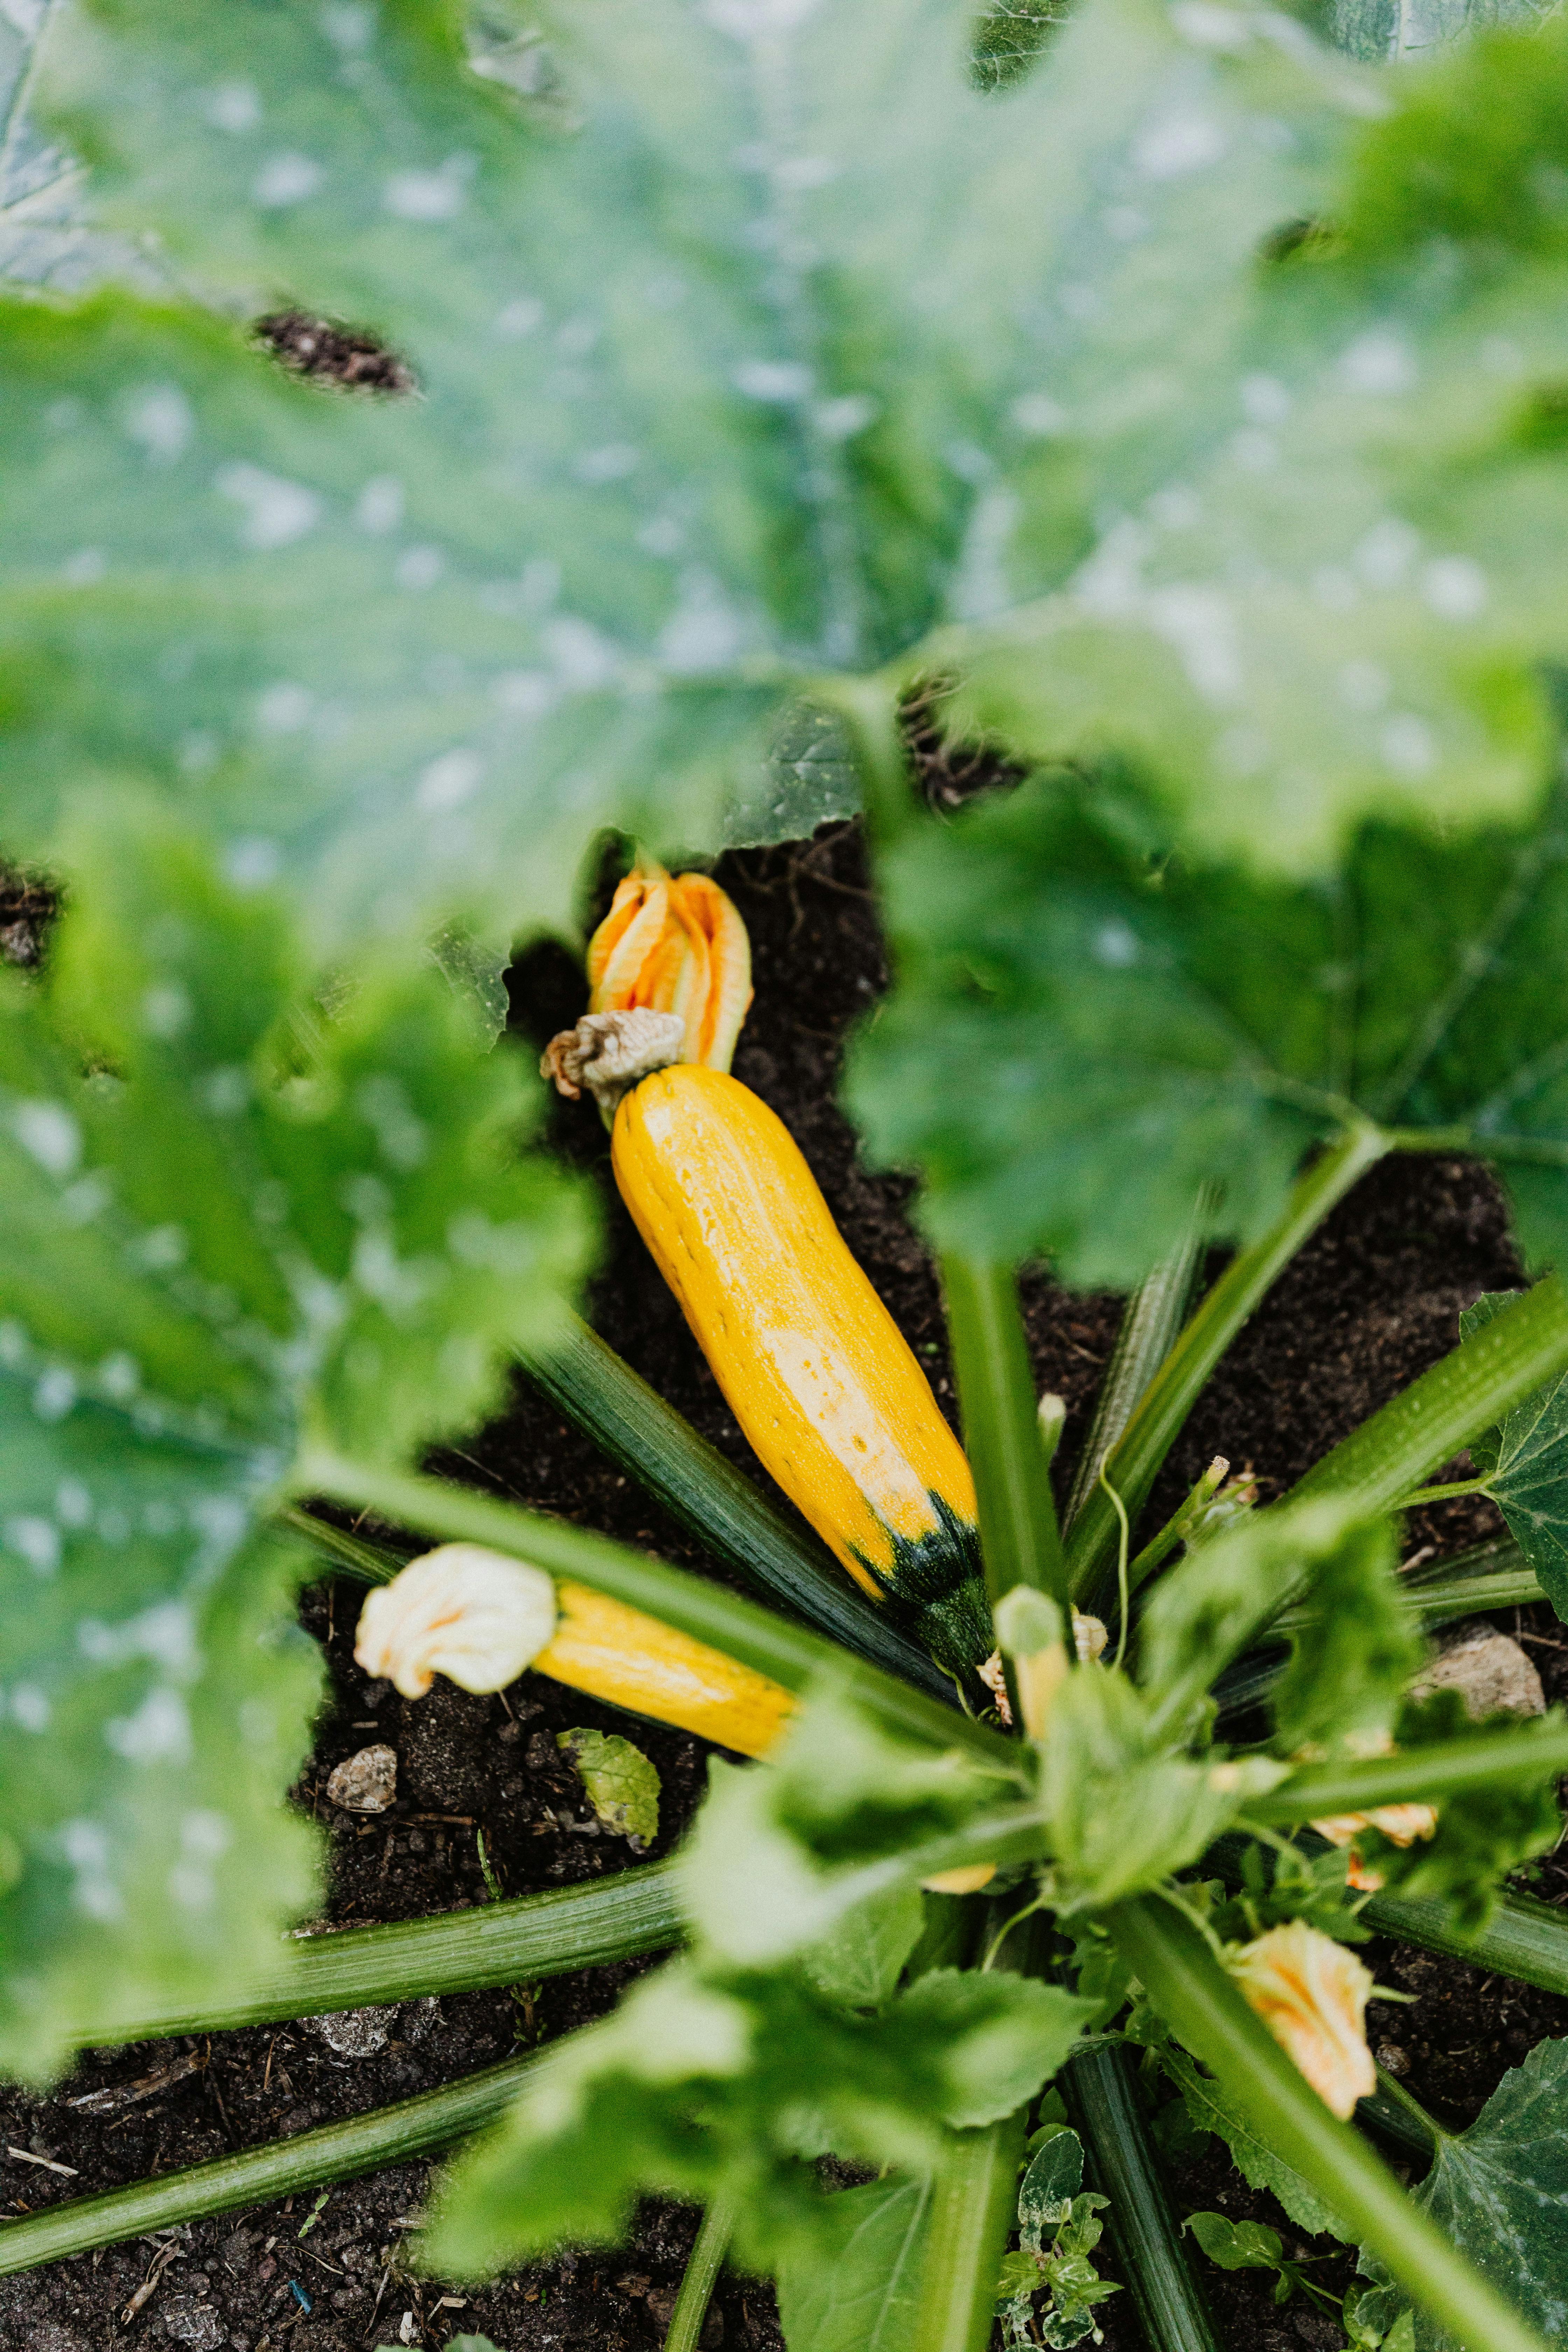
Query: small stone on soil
(1491, 1674)
(365, 1782)
(356, 2032)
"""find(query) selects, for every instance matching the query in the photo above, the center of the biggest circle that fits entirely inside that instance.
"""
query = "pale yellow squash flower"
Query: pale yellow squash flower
(675, 943)
(461, 1611)
(1311, 1993)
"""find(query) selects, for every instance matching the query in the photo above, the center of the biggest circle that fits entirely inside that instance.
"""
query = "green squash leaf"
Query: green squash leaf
(1498, 2190)
(707, 2078)
(705, 417)
(1236, 2246)
(248, 1224)
(1525, 1466)
(774, 1864)
(1209, 2109)
(860, 1962)
(860, 2292)
(1408, 31)
(1073, 1000)
(621, 1784)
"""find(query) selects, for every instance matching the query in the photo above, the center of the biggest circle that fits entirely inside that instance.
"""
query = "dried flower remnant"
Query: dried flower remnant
(675, 943)
(461, 1611)
(1311, 1993)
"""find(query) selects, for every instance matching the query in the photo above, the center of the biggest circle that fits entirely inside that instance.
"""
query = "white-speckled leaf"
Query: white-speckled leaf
(745, 378)
(247, 1223)
(1407, 31)
(1501, 2191)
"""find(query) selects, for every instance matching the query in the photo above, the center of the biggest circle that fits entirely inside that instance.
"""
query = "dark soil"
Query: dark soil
(1370, 1303)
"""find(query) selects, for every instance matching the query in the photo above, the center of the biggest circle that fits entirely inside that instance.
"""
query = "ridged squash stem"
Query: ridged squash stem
(1103, 2099)
(973, 2207)
(786, 1653)
(1204, 2008)
(1134, 1461)
(1473, 1387)
(312, 2160)
(527, 1938)
(702, 2269)
(1151, 1323)
(1019, 1538)
(591, 1386)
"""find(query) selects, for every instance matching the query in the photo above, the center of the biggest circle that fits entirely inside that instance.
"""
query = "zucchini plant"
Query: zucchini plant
(1174, 395)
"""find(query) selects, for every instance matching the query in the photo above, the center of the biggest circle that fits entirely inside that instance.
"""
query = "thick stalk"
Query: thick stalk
(534, 1936)
(734, 1522)
(1204, 2008)
(310, 2160)
(789, 1653)
(972, 2209)
(1018, 1533)
(1150, 1324)
(1483, 1378)
(1401, 2118)
(1523, 1939)
(1134, 1461)
(1102, 2093)
(1537, 1752)
(701, 2277)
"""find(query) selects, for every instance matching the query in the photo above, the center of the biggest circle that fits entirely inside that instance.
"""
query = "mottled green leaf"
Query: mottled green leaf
(246, 1226)
(1074, 1001)
(861, 2293)
(1525, 1466)
(709, 406)
(622, 1785)
(1498, 2190)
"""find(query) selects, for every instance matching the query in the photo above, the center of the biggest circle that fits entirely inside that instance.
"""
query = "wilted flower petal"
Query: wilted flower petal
(461, 1611)
(1311, 1994)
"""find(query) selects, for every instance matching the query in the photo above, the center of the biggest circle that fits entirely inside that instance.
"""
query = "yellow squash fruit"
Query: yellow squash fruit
(816, 1373)
(618, 1654)
(480, 1617)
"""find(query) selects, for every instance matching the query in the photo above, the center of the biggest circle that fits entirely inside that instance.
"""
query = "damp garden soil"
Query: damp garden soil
(1370, 1302)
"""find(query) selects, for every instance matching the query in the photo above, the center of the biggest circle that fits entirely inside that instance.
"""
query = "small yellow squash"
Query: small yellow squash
(816, 1373)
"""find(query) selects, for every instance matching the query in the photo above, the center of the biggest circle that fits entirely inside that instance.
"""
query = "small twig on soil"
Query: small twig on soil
(126, 2094)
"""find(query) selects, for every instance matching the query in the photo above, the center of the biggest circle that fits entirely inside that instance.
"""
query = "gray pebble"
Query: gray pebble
(365, 1782)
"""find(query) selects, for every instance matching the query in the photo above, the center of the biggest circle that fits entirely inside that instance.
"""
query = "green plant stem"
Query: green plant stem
(701, 2276)
(973, 2207)
(1204, 2008)
(1018, 1534)
(1101, 2093)
(1523, 1939)
(310, 2160)
(1154, 1316)
(1401, 2118)
(1418, 1775)
(1420, 1495)
(532, 1936)
(1473, 1387)
(733, 1521)
(1134, 1460)
(789, 1653)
